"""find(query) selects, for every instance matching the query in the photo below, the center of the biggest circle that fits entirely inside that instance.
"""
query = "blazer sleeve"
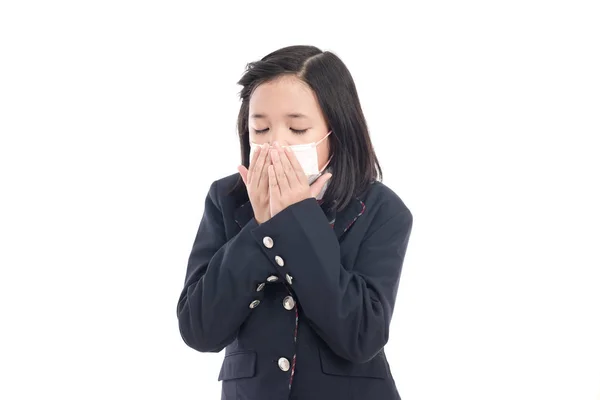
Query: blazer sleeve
(221, 281)
(350, 309)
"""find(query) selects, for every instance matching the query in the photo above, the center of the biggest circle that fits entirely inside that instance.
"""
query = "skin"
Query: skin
(283, 112)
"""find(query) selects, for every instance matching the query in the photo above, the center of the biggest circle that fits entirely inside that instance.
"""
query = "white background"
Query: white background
(116, 116)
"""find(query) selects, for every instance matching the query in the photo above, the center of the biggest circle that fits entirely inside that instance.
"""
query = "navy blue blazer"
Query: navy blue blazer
(301, 308)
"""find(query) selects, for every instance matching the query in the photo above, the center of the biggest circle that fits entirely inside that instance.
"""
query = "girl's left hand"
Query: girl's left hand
(288, 183)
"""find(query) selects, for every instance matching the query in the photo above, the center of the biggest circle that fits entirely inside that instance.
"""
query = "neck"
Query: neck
(322, 192)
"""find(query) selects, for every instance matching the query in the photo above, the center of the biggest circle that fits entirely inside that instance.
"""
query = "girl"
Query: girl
(296, 264)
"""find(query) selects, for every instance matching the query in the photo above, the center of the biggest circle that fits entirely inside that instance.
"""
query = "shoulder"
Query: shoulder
(222, 190)
(222, 186)
(380, 200)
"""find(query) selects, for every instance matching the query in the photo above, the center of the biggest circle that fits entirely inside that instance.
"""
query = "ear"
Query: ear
(317, 186)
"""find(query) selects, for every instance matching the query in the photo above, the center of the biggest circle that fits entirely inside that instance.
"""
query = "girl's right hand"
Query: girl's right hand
(256, 179)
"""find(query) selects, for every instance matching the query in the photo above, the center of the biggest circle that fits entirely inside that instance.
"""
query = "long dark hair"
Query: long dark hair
(354, 165)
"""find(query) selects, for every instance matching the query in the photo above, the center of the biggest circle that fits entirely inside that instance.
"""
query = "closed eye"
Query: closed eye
(294, 131)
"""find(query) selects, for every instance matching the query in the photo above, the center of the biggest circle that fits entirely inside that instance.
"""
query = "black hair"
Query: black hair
(354, 165)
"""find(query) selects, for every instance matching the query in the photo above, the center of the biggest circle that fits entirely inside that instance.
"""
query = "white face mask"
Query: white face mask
(307, 157)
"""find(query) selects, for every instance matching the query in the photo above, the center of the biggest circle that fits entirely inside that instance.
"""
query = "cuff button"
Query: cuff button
(268, 242)
(254, 303)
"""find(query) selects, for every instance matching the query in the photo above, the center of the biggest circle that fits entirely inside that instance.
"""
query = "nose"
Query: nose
(277, 135)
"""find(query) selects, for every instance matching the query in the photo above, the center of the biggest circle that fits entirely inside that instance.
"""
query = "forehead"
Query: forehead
(282, 96)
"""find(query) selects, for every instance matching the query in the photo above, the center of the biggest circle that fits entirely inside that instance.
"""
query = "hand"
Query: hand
(256, 179)
(288, 183)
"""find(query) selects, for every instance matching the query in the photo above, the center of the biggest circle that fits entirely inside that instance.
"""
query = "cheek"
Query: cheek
(323, 153)
(258, 139)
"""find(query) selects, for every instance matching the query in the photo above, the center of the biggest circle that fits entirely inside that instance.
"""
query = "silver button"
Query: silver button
(254, 303)
(279, 261)
(272, 278)
(284, 364)
(268, 242)
(288, 278)
(289, 303)
(260, 287)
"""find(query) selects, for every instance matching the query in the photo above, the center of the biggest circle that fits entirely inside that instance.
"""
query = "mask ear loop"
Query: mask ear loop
(323, 138)
(327, 163)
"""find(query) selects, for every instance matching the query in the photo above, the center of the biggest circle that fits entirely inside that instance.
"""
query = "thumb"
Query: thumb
(244, 173)
(317, 186)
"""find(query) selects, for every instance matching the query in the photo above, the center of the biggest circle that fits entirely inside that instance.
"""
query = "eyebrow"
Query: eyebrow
(292, 115)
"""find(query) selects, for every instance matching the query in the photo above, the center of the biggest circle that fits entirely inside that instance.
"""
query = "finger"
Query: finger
(273, 186)
(317, 185)
(282, 179)
(300, 175)
(252, 164)
(264, 175)
(288, 169)
(243, 173)
(258, 168)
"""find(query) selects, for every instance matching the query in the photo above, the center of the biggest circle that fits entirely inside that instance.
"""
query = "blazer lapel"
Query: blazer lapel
(345, 218)
(243, 214)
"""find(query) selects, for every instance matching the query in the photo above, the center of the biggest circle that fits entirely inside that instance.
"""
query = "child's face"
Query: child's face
(286, 110)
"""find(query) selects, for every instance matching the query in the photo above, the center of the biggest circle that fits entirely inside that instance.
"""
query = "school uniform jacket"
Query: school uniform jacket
(301, 306)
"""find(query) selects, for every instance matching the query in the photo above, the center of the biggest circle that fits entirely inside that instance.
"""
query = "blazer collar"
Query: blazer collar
(343, 219)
